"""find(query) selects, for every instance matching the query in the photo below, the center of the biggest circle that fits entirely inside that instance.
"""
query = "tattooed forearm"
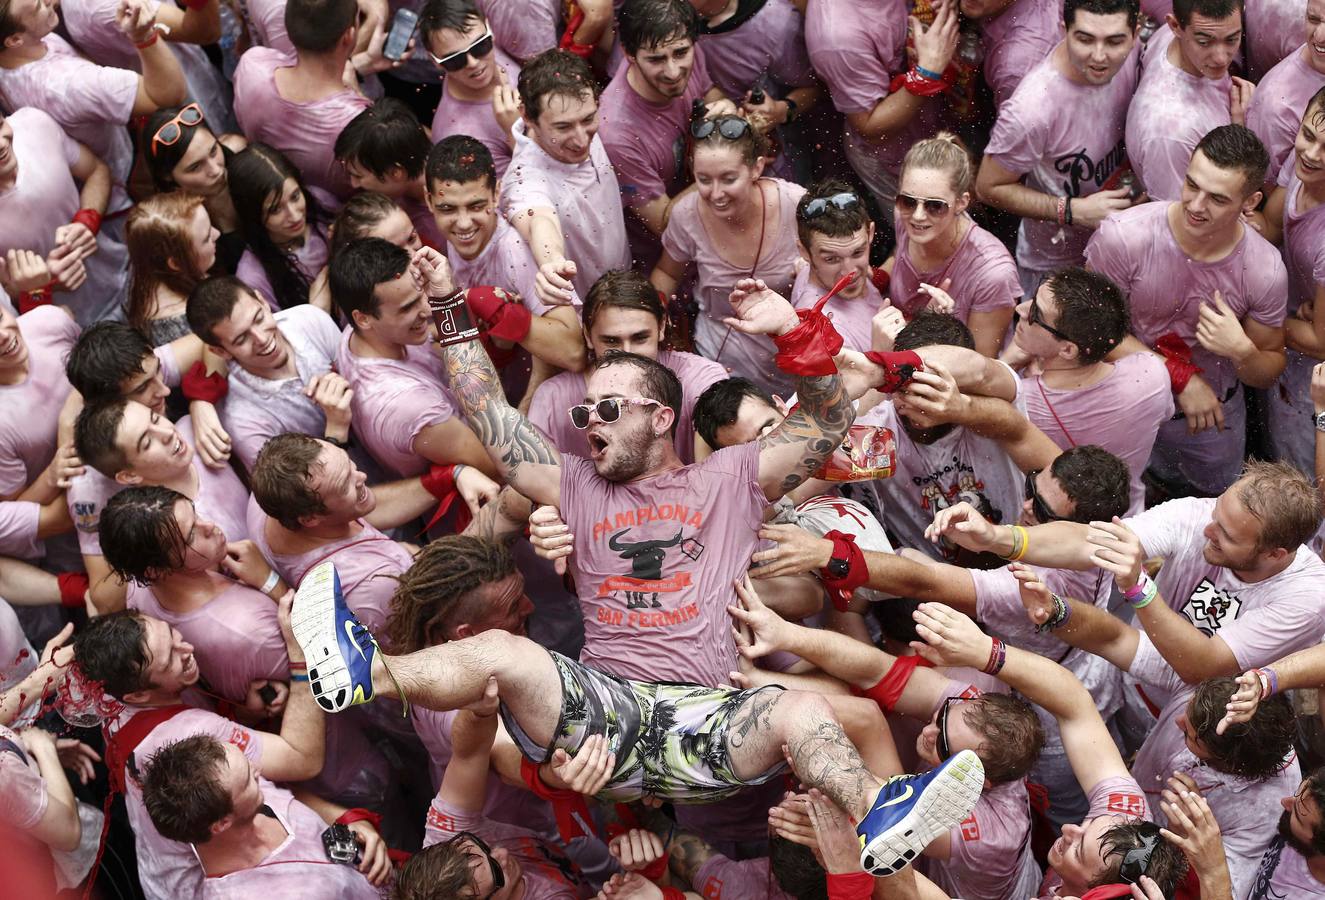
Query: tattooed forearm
(822, 756)
(503, 519)
(816, 426)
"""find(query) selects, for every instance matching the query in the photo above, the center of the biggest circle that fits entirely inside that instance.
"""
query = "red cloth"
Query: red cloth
(809, 348)
(89, 219)
(30, 300)
(858, 573)
(568, 36)
(879, 275)
(921, 86)
(498, 313)
(898, 365)
(198, 385)
(850, 886)
(571, 811)
(1177, 359)
(889, 689)
(73, 585)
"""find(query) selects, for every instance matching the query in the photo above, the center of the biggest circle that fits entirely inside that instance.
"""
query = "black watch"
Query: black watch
(838, 568)
(336, 442)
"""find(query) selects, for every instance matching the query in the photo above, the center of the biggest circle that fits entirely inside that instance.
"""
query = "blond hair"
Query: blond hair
(943, 153)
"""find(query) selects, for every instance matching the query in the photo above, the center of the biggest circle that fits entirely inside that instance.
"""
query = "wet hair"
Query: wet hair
(443, 871)
(930, 328)
(431, 595)
(623, 289)
(1253, 749)
(182, 789)
(1102, 8)
(796, 870)
(1183, 10)
(452, 15)
(1092, 311)
(720, 404)
(554, 73)
(751, 146)
(896, 619)
(384, 136)
(1317, 102)
(943, 153)
(280, 479)
(1237, 147)
(158, 232)
(104, 355)
(1012, 736)
(316, 26)
(360, 215)
(1097, 482)
(832, 222)
(9, 25)
(1315, 785)
(360, 267)
(95, 430)
(112, 651)
(657, 382)
(645, 24)
(460, 158)
(1285, 502)
(256, 174)
(140, 538)
(161, 158)
(1168, 864)
(212, 302)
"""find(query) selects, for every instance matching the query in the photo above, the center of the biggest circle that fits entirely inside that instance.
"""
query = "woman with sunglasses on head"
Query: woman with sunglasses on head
(283, 225)
(370, 214)
(183, 153)
(943, 260)
(172, 247)
(736, 224)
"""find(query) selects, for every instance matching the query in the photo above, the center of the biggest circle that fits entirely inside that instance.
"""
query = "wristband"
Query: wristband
(1269, 681)
(1177, 359)
(1020, 542)
(850, 886)
(89, 219)
(1061, 211)
(809, 348)
(1143, 593)
(272, 580)
(889, 689)
(359, 814)
(439, 481)
(899, 367)
(567, 42)
(841, 589)
(30, 300)
(1067, 210)
(198, 385)
(298, 676)
(656, 869)
(194, 4)
(1062, 612)
(792, 109)
(672, 893)
(928, 73)
(156, 35)
(571, 812)
(298, 667)
(73, 585)
(998, 655)
(920, 85)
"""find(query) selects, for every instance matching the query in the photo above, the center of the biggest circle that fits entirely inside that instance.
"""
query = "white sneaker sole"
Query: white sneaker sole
(944, 804)
(313, 621)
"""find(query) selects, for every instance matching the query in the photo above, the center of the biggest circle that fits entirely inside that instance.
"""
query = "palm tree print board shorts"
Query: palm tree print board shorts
(670, 739)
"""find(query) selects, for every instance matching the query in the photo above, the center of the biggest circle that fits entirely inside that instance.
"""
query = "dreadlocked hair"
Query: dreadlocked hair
(431, 594)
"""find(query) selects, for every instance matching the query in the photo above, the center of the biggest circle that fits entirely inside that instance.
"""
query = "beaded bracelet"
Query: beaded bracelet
(1062, 612)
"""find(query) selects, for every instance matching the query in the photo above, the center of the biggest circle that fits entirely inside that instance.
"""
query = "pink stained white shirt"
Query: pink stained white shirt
(19, 524)
(1280, 102)
(311, 258)
(984, 277)
(550, 409)
(266, 21)
(687, 240)
(256, 409)
(17, 657)
(394, 401)
(505, 802)
(45, 197)
(1016, 40)
(655, 560)
(851, 318)
(1170, 113)
(222, 498)
(298, 866)
(27, 445)
(770, 43)
(1121, 413)
(720, 878)
(586, 197)
(475, 117)
(1275, 28)
(505, 262)
(1283, 874)
(523, 30)
(168, 869)
(1119, 797)
(305, 132)
(1259, 621)
(1067, 140)
(24, 799)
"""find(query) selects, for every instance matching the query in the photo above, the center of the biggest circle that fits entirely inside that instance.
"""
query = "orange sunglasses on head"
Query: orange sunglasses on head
(170, 133)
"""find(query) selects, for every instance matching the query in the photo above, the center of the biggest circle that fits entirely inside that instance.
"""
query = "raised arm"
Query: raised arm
(1055, 545)
(297, 753)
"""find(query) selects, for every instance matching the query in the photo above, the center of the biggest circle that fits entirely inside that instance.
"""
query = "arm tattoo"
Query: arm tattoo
(508, 435)
(822, 756)
(687, 855)
(819, 422)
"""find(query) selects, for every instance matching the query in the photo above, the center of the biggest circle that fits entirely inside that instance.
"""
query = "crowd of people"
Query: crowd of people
(717, 449)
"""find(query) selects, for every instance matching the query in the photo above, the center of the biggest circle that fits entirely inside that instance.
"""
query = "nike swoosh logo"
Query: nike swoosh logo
(902, 798)
(349, 632)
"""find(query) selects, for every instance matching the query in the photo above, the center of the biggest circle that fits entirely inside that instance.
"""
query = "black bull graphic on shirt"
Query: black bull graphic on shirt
(646, 562)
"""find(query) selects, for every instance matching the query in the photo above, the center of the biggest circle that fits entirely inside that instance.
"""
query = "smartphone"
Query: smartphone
(402, 29)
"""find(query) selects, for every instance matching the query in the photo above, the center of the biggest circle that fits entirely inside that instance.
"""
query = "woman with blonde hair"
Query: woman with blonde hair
(943, 260)
(172, 247)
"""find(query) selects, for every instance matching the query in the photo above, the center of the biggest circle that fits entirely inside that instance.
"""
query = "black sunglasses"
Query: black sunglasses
(454, 62)
(498, 877)
(1035, 317)
(907, 204)
(1043, 514)
(941, 744)
(733, 128)
(843, 202)
(1137, 860)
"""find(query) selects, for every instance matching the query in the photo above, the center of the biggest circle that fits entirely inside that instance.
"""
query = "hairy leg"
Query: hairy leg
(868, 730)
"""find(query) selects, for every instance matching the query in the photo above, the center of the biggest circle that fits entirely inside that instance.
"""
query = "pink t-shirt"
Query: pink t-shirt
(475, 117)
(524, 29)
(721, 878)
(771, 42)
(1122, 413)
(586, 197)
(505, 802)
(168, 869)
(687, 240)
(19, 521)
(366, 562)
(1259, 621)
(257, 409)
(655, 561)
(1119, 797)
(1283, 874)
(1280, 101)
(851, 318)
(1169, 115)
(1304, 242)
(266, 19)
(298, 867)
(394, 400)
(23, 795)
(1016, 40)
(506, 262)
(27, 446)
(1275, 28)
(554, 397)
(548, 872)
(311, 258)
(1165, 289)
(990, 851)
(960, 466)
(304, 132)
(984, 277)
(222, 498)
(1067, 139)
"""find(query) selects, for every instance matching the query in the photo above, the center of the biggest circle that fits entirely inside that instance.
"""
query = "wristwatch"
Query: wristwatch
(838, 568)
(1320, 421)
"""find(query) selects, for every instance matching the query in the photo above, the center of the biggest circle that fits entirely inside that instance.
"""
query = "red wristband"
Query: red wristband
(898, 365)
(881, 278)
(156, 35)
(809, 348)
(359, 814)
(1177, 359)
(656, 869)
(918, 84)
(30, 300)
(439, 481)
(889, 689)
(198, 385)
(73, 585)
(858, 573)
(571, 812)
(194, 4)
(672, 893)
(850, 886)
(89, 219)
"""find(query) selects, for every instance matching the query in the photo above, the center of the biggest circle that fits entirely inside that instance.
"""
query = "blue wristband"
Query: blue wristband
(297, 677)
(926, 73)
